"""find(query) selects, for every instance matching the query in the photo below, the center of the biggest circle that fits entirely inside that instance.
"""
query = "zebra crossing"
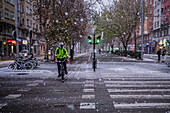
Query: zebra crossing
(139, 92)
(19, 93)
(88, 94)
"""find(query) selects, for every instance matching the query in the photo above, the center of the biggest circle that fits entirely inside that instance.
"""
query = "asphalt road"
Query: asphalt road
(117, 86)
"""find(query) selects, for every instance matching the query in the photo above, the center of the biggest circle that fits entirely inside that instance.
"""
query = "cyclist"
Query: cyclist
(61, 54)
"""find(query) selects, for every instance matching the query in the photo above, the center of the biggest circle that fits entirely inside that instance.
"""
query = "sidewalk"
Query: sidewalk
(5, 63)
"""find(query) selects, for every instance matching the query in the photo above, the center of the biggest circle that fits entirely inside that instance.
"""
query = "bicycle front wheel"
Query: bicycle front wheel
(29, 65)
(11, 66)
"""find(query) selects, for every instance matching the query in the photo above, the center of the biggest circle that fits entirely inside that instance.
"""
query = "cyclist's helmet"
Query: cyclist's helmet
(61, 44)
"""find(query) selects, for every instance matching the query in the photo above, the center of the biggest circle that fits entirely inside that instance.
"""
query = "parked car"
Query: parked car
(25, 53)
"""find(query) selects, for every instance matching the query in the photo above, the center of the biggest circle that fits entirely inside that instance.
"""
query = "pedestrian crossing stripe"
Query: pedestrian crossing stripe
(87, 106)
(138, 86)
(140, 96)
(89, 81)
(137, 79)
(137, 90)
(88, 96)
(33, 84)
(89, 85)
(12, 96)
(136, 82)
(88, 90)
(141, 105)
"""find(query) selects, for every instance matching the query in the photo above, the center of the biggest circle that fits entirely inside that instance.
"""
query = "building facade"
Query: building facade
(27, 20)
(7, 25)
(161, 26)
(147, 39)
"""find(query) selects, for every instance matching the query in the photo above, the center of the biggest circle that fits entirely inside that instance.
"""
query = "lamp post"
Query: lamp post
(16, 27)
(142, 30)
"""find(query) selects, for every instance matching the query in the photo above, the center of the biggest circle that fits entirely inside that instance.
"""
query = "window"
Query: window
(158, 24)
(12, 2)
(30, 23)
(27, 10)
(23, 22)
(6, 13)
(162, 10)
(22, 8)
(33, 25)
(30, 11)
(18, 7)
(12, 16)
(37, 27)
(27, 22)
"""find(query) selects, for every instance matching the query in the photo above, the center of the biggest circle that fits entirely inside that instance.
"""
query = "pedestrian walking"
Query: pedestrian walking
(163, 54)
(159, 54)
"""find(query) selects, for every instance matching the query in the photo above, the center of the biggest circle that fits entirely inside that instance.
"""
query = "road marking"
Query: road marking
(12, 96)
(89, 81)
(139, 86)
(88, 90)
(33, 84)
(87, 106)
(89, 85)
(137, 90)
(142, 105)
(23, 90)
(140, 96)
(138, 79)
(2, 105)
(88, 96)
(38, 81)
(135, 82)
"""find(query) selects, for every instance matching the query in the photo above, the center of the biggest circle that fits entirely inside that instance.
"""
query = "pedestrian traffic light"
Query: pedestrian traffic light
(14, 35)
(90, 39)
(98, 39)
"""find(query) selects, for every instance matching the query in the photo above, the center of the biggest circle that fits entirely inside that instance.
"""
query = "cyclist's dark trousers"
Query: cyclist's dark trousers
(58, 64)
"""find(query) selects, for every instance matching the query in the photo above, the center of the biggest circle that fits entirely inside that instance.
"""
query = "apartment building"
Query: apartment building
(7, 25)
(27, 20)
(161, 23)
(147, 39)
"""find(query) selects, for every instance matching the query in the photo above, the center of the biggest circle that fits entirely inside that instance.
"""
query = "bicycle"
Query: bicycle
(20, 63)
(62, 70)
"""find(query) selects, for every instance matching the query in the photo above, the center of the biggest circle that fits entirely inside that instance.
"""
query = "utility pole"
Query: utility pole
(16, 27)
(142, 30)
(94, 59)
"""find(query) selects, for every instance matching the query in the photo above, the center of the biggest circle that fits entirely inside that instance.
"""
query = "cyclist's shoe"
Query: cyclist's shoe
(66, 72)
(62, 81)
(59, 75)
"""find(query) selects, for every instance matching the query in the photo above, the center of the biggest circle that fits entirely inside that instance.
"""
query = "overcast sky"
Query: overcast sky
(106, 2)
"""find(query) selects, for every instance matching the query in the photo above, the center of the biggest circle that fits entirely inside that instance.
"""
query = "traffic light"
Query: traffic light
(98, 39)
(14, 35)
(90, 39)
